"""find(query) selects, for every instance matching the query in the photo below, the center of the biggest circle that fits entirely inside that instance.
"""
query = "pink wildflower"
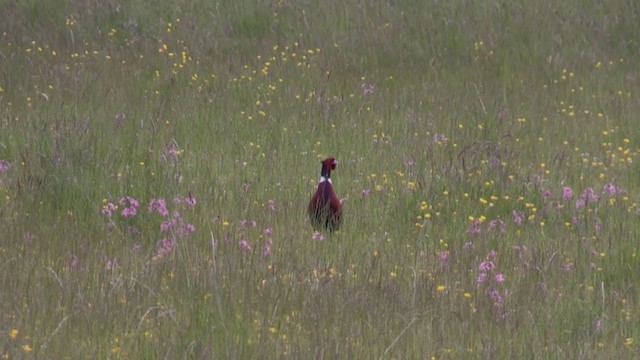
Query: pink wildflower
(517, 216)
(486, 266)
(165, 226)
(159, 206)
(367, 89)
(444, 259)
(244, 244)
(108, 209)
(497, 224)
(190, 201)
(110, 265)
(610, 189)
(496, 297)
(482, 277)
(4, 166)
(74, 261)
(439, 138)
(129, 212)
(566, 267)
(165, 246)
(469, 245)
(590, 195)
(474, 227)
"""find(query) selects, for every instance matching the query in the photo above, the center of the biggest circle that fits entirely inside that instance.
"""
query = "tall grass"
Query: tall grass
(487, 157)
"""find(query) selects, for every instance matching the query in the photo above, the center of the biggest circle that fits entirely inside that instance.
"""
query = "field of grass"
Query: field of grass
(156, 163)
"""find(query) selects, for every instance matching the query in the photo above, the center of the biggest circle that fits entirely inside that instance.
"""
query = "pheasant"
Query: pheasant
(325, 209)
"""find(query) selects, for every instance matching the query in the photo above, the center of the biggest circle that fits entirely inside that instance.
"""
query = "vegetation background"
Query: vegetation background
(156, 160)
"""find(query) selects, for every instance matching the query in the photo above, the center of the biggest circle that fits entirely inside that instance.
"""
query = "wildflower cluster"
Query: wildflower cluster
(173, 227)
(491, 282)
(498, 225)
(248, 238)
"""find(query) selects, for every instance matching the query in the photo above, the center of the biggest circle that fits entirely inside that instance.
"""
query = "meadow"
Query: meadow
(156, 162)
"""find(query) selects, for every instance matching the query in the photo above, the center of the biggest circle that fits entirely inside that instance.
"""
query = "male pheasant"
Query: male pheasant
(325, 209)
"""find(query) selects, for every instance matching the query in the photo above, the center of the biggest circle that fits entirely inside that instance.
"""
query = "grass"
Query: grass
(487, 156)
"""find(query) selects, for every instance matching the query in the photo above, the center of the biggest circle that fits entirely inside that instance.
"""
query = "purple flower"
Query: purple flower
(267, 231)
(190, 228)
(439, 138)
(129, 204)
(597, 226)
(497, 224)
(546, 194)
(491, 255)
(171, 151)
(597, 324)
(129, 201)
(469, 245)
(108, 209)
(129, 212)
(495, 296)
(110, 265)
(190, 201)
(165, 226)
(245, 222)
(580, 203)
(73, 262)
(159, 206)
(566, 267)
(567, 193)
(611, 189)
(590, 195)
(165, 246)
(266, 251)
(244, 244)
(317, 236)
(119, 118)
(474, 227)
(4, 166)
(486, 266)
(367, 89)
(500, 278)
(482, 277)
(517, 216)
(409, 163)
(444, 259)
(366, 192)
